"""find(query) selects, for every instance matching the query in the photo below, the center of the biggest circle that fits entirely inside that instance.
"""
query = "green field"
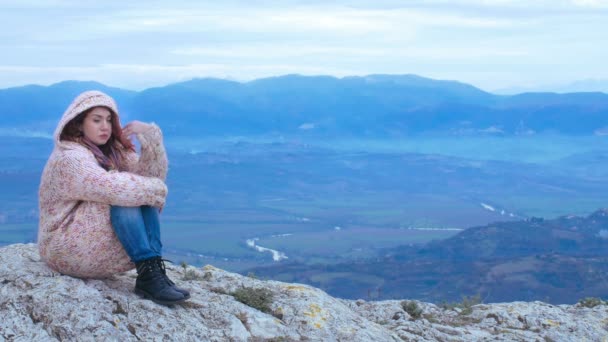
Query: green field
(374, 191)
(551, 207)
(349, 243)
(311, 242)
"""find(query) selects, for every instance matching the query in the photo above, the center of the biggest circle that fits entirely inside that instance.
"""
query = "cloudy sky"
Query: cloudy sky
(492, 44)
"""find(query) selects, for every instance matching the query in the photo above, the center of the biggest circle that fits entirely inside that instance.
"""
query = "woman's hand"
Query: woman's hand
(135, 127)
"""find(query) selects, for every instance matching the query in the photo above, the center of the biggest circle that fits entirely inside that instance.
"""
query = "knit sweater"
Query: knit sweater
(75, 235)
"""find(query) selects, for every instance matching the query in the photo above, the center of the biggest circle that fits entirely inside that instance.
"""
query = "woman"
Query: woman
(99, 200)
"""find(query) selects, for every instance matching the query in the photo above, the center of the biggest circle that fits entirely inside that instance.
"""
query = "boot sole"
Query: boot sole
(146, 295)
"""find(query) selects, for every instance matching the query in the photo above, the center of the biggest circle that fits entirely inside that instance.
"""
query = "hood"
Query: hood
(82, 102)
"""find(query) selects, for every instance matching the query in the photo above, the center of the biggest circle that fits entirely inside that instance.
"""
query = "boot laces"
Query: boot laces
(161, 264)
(149, 265)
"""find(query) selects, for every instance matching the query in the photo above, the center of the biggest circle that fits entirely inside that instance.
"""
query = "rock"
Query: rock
(41, 305)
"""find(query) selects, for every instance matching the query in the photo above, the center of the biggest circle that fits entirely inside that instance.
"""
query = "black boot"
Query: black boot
(161, 264)
(151, 284)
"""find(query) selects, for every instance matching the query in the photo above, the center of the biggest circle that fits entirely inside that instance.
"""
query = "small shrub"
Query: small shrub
(412, 308)
(445, 305)
(468, 303)
(591, 302)
(191, 275)
(257, 298)
(431, 318)
(252, 275)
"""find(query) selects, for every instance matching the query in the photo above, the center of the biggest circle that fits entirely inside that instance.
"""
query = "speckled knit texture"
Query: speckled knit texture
(75, 235)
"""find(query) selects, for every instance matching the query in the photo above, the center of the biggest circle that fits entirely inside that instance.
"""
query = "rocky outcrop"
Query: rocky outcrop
(37, 304)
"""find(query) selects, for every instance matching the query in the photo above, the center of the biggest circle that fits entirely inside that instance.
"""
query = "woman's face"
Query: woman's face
(97, 125)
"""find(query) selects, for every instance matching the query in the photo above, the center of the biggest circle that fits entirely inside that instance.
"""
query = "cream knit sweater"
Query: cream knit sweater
(75, 235)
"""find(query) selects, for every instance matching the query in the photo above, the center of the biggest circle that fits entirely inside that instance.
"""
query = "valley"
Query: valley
(318, 205)
(328, 180)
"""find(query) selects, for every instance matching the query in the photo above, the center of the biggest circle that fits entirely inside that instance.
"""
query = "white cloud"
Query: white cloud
(272, 51)
(138, 77)
(323, 20)
(493, 44)
(269, 51)
(591, 3)
(248, 19)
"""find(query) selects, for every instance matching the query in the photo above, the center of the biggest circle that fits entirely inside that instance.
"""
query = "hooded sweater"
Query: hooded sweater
(75, 234)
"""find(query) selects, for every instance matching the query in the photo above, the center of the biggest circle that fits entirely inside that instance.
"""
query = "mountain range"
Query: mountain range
(586, 85)
(379, 106)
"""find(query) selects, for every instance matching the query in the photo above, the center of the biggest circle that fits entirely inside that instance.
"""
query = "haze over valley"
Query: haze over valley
(285, 177)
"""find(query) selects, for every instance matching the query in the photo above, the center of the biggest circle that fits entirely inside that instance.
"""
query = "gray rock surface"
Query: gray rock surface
(37, 304)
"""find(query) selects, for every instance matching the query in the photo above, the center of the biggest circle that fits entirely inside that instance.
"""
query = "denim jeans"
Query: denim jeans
(138, 230)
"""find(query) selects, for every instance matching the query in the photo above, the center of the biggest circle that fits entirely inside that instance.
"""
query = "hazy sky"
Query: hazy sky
(137, 44)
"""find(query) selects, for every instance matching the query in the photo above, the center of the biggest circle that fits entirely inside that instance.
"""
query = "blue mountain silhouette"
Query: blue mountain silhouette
(379, 106)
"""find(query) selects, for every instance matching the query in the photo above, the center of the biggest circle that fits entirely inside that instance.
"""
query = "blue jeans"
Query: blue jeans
(138, 230)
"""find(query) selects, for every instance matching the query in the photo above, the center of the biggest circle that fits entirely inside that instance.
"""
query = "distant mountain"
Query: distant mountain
(39, 108)
(376, 106)
(582, 86)
(556, 261)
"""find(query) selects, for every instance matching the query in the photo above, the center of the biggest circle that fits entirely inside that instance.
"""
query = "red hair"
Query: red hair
(109, 155)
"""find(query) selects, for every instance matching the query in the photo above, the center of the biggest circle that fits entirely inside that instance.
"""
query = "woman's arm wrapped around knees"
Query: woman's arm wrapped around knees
(83, 179)
(152, 161)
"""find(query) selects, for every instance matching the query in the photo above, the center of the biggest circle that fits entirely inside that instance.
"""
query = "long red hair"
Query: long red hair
(109, 155)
